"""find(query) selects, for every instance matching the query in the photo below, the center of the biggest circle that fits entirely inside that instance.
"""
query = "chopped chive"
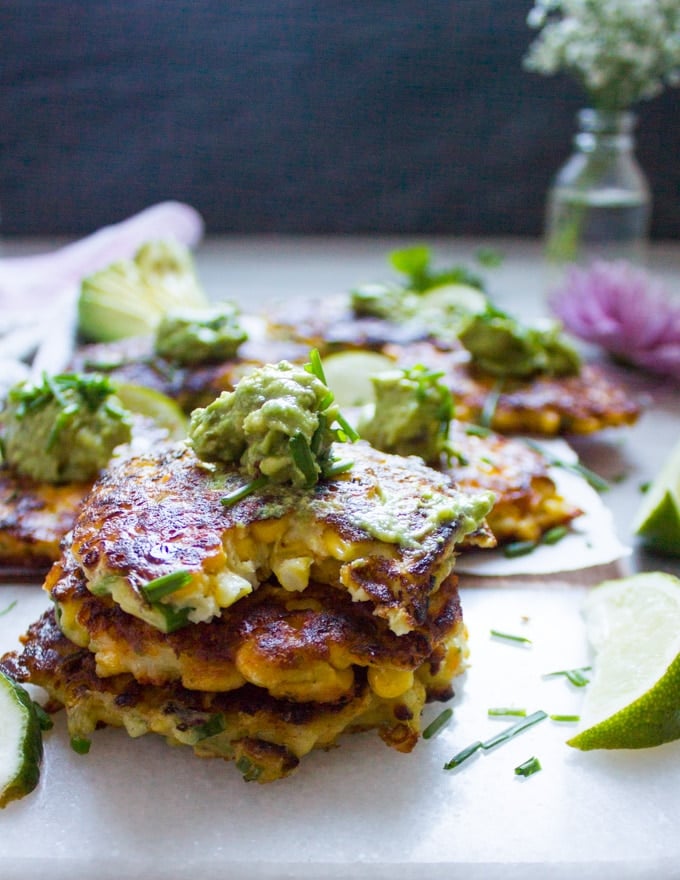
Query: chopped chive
(504, 711)
(439, 722)
(595, 480)
(9, 608)
(303, 458)
(243, 491)
(569, 719)
(251, 772)
(644, 487)
(163, 586)
(214, 725)
(477, 431)
(315, 366)
(519, 548)
(528, 767)
(347, 429)
(552, 536)
(510, 637)
(173, 618)
(575, 676)
(80, 744)
(514, 729)
(338, 467)
(463, 755)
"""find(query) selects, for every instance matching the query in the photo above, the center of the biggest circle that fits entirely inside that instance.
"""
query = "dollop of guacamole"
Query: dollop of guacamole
(384, 301)
(200, 335)
(63, 429)
(502, 346)
(412, 414)
(276, 423)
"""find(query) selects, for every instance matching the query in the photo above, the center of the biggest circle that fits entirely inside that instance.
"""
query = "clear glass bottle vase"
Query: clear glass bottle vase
(599, 203)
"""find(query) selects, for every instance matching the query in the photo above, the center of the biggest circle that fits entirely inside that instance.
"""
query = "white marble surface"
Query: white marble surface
(138, 809)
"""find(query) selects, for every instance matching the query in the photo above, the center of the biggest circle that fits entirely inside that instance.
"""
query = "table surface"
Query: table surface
(136, 809)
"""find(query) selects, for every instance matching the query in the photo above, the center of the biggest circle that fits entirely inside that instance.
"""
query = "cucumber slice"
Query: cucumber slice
(21, 746)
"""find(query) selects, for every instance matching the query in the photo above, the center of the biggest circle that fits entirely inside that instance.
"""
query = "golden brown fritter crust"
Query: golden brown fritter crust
(545, 405)
(153, 515)
(301, 646)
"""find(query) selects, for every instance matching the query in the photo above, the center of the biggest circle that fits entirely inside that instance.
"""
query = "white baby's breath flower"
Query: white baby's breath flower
(621, 51)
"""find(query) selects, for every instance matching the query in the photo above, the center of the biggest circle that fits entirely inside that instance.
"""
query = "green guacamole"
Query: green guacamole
(196, 336)
(413, 410)
(502, 346)
(63, 429)
(275, 424)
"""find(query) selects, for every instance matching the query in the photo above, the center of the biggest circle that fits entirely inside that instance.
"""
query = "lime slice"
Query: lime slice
(348, 375)
(20, 742)
(658, 520)
(163, 410)
(633, 701)
(455, 298)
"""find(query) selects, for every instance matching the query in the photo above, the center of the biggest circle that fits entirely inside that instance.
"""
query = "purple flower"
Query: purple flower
(624, 310)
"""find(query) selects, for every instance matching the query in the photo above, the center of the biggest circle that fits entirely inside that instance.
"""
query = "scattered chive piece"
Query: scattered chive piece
(243, 491)
(347, 429)
(174, 618)
(315, 366)
(163, 586)
(552, 536)
(644, 487)
(575, 676)
(463, 755)
(527, 768)
(503, 711)
(514, 729)
(477, 431)
(250, 771)
(339, 467)
(519, 548)
(9, 608)
(510, 637)
(80, 744)
(566, 718)
(595, 480)
(439, 722)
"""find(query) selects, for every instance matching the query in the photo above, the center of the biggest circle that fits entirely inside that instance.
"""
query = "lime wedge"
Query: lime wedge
(658, 520)
(633, 700)
(348, 375)
(20, 742)
(163, 410)
(455, 297)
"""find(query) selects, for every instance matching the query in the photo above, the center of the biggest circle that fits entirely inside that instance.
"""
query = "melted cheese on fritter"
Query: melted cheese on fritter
(298, 647)
(385, 531)
(266, 737)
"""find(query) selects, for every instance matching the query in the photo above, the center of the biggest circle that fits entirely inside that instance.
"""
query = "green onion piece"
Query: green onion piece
(250, 771)
(514, 729)
(315, 366)
(80, 744)
(595, 480)
(510, 637)
(9, 608)
(439, 722)
(529, 767)
(338, 467)
(575, 676)
(347, 429)
(173, 618)
(552, 536)
(463, 755)
(570, 719)
(477, 431)
(163, 586)
(303, 458)
(214, 725)
(519, 548)
(243, 491)
(503, 711)
(44, 719)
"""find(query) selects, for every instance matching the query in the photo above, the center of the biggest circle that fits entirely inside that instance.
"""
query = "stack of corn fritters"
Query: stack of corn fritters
(260, 630)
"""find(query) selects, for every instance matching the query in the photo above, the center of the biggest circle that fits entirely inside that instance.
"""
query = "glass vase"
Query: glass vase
(599, 203)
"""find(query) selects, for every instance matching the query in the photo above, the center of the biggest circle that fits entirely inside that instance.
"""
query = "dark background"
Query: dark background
(386, 116)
